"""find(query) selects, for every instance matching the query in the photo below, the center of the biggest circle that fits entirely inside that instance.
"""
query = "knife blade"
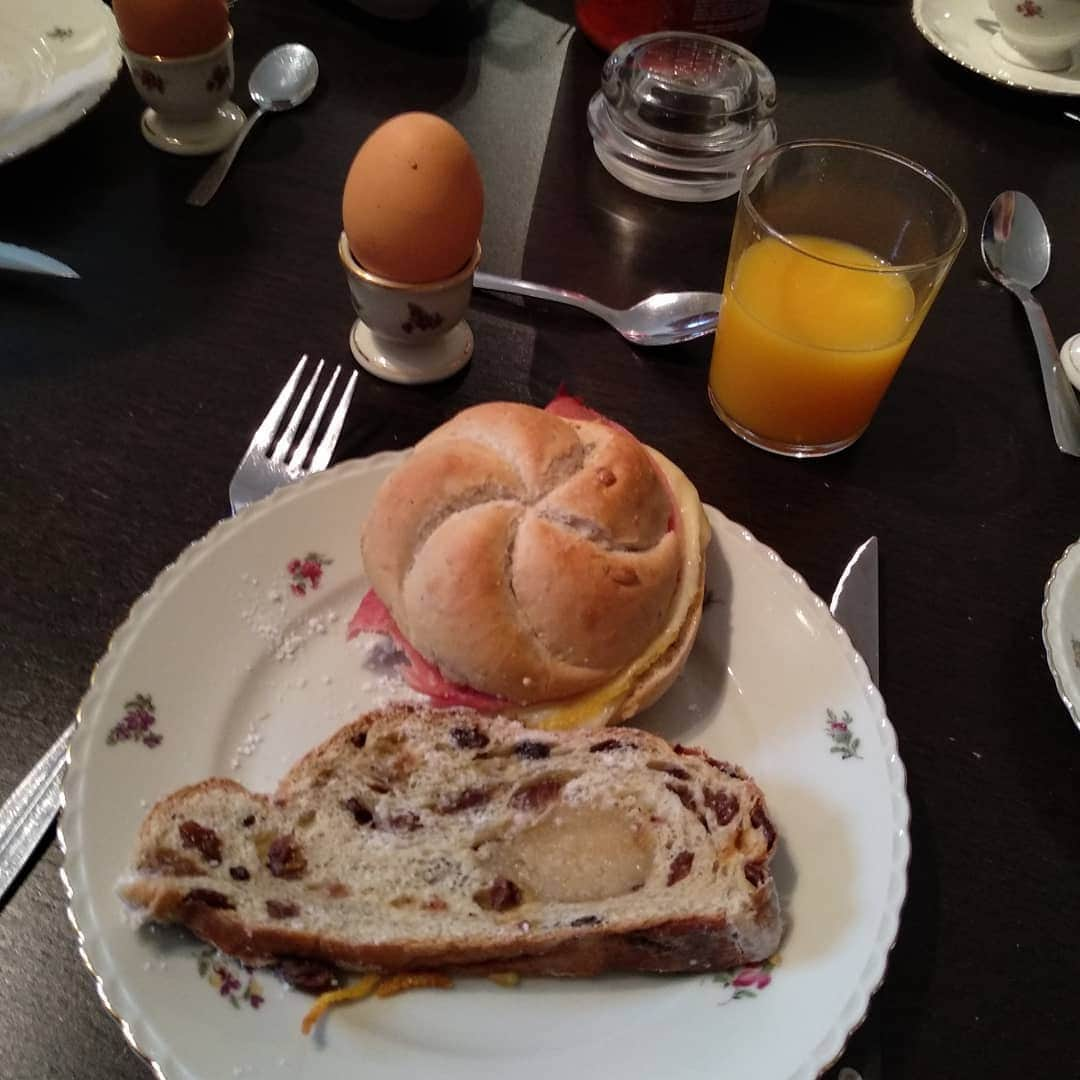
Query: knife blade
(13, 257)
(854, 606)
(854, 603)
(29, 810)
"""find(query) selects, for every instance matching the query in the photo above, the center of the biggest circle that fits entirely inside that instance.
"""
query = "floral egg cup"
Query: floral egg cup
(188, 108)
(409, 333)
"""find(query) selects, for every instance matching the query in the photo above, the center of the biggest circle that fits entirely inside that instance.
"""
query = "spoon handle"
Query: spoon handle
(204, 190)
(496, 283)
(1060, 396)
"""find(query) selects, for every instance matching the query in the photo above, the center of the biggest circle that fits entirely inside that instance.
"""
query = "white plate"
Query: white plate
(963, 31)
(57, 59)
(1061, 628)
(224, 668)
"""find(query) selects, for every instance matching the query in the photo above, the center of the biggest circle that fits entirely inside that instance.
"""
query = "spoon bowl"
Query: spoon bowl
(1016, 251)
(284, 78)
(1015, 241)
(660, 319)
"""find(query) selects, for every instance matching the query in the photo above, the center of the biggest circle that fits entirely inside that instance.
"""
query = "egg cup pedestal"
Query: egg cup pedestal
(189, 111)
(405, 333)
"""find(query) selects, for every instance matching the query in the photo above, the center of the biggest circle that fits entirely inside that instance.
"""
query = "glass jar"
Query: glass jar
(680, 115)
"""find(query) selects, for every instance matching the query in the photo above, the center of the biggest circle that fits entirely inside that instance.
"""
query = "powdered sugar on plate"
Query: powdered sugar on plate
(306, 680)
(249, 744)
(270, 617)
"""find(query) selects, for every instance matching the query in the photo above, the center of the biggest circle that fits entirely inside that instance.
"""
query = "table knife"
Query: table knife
(854, 606)
(854, 603)
(13, 257)
(29, 811)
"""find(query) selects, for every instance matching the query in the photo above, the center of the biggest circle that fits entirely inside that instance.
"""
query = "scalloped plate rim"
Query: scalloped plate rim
(1054, 662)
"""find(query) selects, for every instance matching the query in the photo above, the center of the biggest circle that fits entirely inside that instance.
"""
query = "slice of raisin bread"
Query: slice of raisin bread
(435, 839)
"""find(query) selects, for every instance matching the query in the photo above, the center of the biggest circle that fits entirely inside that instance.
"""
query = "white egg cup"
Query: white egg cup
(1037, 34)
(409, 334)
(189, 111)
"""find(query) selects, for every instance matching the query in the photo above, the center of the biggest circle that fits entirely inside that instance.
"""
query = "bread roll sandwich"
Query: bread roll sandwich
(540, 564)
(445, 840)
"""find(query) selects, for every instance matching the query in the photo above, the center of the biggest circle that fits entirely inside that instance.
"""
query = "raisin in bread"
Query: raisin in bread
(424, 839)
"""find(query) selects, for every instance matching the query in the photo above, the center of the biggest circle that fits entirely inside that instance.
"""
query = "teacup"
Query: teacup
(409, 333)
(188, 97)
(1037, 34)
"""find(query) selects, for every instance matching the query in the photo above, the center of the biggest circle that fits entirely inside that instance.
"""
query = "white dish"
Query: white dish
(233, 663)
(1061, 628)
(964, 31)
(57, 59)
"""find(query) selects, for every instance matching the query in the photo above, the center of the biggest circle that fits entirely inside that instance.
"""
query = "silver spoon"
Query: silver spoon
(282, 79)
(1016, 250)
(661, 319)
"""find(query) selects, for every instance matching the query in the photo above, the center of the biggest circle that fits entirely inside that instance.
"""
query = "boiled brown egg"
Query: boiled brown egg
(413, 200)
(172, 28)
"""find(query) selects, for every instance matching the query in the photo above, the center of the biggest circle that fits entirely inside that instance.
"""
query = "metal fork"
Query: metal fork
(27, 813)
(260, 472)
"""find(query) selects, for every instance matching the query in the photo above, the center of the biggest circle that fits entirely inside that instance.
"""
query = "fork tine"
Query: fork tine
(284, 444)
(301, 452)
(265, 431)
(337, 421)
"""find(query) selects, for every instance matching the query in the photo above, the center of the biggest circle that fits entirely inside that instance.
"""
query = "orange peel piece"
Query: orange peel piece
(412, 980)
(357, 992)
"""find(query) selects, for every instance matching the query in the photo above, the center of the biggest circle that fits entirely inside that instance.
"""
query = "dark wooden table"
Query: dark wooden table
(127, 398)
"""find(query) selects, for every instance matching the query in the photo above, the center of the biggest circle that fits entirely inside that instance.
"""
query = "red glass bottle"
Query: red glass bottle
(608, 23)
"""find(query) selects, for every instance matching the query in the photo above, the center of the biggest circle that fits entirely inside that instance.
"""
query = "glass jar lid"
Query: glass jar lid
(679, 115)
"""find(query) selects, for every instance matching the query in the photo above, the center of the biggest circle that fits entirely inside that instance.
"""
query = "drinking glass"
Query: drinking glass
(837, 253)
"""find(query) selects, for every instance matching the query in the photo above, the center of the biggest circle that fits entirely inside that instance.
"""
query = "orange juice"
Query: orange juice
(806, 346)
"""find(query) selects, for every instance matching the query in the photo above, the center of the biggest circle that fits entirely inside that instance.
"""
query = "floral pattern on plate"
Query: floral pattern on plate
(307, 572)
(231, 980)
(838, 728)
(139, 717)
(749, 980)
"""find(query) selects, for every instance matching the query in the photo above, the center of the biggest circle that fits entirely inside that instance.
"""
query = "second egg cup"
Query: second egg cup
(188, 107)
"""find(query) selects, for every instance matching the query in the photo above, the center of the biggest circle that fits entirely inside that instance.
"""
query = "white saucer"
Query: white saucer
(1061, 628)
(188, 140)
(964, 30)
(439, 358)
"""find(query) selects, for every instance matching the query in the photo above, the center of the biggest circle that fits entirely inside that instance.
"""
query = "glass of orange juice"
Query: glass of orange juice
(837, 253)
